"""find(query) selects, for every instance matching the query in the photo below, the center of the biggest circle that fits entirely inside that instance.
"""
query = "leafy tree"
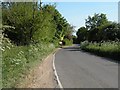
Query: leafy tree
(96, 21)
(95, 25)
(81, 34)
(34, 24)
(75, 41)
(45, 26)
(20, 16)
(98, 28)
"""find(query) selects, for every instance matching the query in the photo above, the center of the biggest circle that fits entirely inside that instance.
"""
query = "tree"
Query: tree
(34, 24)
(96, 21)
(45, 26)
(75, 39)
(20, 16)
(94, 24)
(81, 34)
(98, 28)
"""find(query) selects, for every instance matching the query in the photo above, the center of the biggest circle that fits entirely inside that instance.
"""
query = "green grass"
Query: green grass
(105, 49)
(18, 60)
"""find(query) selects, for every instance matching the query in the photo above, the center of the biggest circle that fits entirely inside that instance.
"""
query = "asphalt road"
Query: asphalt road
(77, 69)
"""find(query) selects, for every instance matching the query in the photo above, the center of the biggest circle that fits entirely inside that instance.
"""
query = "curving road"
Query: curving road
(77, 69)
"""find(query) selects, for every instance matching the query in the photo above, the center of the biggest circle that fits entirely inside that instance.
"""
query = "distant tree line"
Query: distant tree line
(33, 23)
(97, 29)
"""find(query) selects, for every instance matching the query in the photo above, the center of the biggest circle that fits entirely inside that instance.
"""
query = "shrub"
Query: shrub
(109, 49)
(84, 44)
(67, 42)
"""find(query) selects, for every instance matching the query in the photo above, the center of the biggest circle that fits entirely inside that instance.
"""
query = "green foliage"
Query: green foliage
(19, 15)
(18, 60)
(84, 44)
(96, 21)
(45, 25)
(81, 34)
(106, 49)
(74, 38)
(33, 25)
(98, 28)
(93, 24)
(67, 42)
(29, 34)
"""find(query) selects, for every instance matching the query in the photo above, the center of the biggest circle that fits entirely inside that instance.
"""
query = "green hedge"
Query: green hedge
(105, 49)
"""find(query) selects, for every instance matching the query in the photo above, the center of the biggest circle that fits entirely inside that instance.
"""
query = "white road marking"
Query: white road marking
(58, 80)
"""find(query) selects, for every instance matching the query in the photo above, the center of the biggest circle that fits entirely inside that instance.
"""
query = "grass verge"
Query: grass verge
(18, 60)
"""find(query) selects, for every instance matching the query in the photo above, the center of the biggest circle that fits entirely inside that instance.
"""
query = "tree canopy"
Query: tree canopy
(98, 28)
(34, 24)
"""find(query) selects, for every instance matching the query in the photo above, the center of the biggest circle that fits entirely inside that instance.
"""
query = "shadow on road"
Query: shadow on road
(72, 48)
(77, 48)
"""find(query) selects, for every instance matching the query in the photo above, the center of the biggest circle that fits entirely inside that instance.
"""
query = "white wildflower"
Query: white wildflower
(2, 49)
(8, 47)
(17, 63)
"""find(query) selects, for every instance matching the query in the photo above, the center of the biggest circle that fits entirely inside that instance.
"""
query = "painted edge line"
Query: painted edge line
(55, 72)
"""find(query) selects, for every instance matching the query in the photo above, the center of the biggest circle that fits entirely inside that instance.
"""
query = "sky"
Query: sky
(77, 12)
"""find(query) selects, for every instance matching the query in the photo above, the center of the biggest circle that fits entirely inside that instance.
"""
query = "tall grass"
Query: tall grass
(109, 49)
(18, 60)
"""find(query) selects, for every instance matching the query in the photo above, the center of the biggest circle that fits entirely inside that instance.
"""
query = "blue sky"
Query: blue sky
(77, 12)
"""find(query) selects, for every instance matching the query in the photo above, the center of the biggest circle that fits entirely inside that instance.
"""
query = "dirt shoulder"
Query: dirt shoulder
(42, 76)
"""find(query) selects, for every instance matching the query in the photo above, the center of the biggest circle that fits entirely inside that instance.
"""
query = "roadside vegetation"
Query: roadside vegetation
(29, 33)
(100, 36)
(105, 49)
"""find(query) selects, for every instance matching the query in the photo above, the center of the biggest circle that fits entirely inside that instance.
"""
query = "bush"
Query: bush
(84, 44)
(106, 49)
(67, 42)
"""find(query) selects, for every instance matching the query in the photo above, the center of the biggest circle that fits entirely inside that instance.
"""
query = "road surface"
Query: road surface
(77, 69)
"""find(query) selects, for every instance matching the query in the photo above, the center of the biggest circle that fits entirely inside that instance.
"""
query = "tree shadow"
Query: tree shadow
(115, 60)
(73, 49)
